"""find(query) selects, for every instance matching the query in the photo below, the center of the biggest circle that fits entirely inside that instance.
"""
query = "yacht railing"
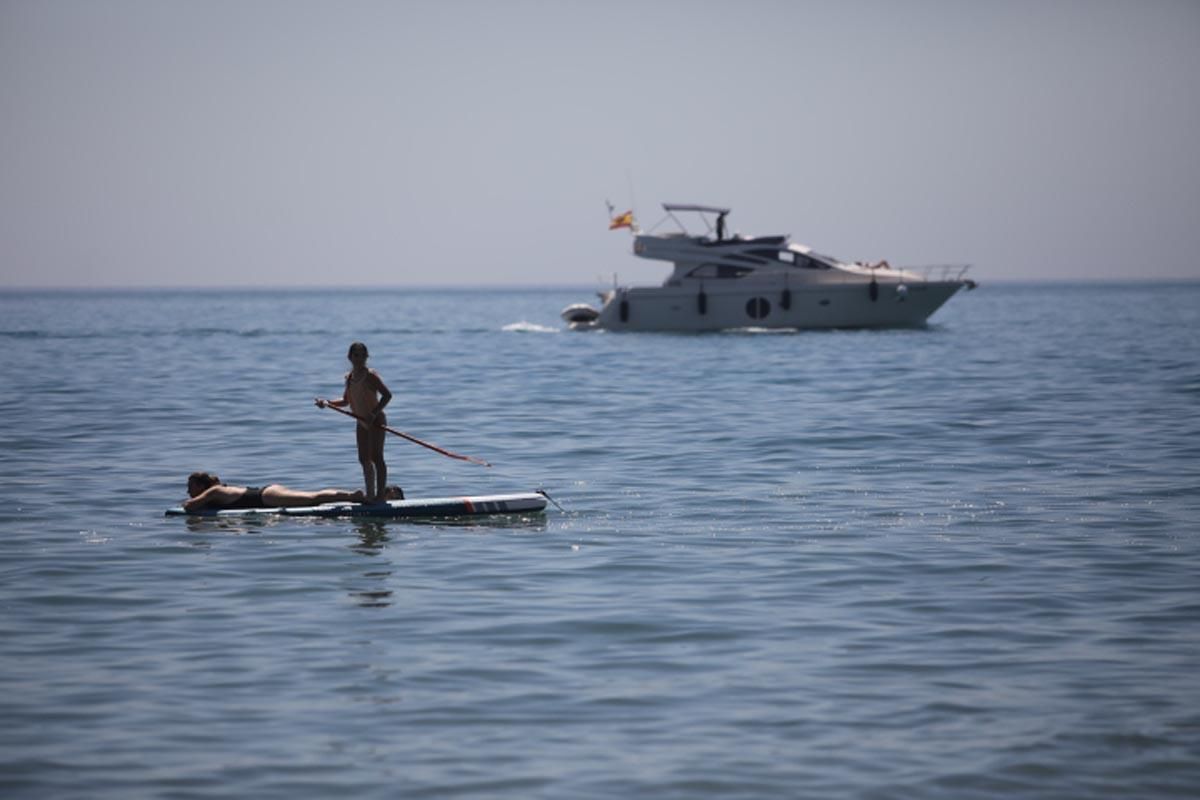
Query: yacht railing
(924, 273)
(940, 272)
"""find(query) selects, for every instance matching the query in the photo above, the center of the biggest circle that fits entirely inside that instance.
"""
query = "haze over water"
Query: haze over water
(472, 142)
(951, 562)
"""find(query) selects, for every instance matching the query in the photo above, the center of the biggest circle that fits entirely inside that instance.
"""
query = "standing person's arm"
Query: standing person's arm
(385, 396)
(342, 402)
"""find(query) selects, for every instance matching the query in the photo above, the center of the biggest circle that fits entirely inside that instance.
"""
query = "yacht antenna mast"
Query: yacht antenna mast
(632, 200)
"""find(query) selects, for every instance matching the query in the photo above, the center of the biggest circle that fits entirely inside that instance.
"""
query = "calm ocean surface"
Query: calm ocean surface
(955, 562)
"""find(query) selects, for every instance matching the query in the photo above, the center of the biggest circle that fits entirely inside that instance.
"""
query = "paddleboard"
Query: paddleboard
(477, 506)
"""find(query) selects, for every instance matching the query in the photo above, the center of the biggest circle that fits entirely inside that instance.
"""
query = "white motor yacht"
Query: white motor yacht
(722, 282)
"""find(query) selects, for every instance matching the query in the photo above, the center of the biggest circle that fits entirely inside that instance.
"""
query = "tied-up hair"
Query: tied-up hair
(357, 346)
(206, 478)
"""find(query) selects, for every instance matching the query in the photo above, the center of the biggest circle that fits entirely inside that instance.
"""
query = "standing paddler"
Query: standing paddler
(366, 395)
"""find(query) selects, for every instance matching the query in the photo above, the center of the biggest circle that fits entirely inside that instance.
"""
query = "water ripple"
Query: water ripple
(954, 562)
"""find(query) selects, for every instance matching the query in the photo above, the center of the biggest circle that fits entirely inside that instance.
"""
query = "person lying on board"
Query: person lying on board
(206, 490)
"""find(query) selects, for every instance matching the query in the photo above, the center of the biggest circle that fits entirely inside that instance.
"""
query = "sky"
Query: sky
(475, 142)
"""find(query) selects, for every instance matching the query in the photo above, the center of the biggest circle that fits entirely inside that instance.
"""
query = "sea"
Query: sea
(960, 561)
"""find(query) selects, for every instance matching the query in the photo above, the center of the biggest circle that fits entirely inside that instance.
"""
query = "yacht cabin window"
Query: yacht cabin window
(790, 257)
(719, 271)
(774, 255)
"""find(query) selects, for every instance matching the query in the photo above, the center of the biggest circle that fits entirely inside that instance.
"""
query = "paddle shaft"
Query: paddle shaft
(412, 439)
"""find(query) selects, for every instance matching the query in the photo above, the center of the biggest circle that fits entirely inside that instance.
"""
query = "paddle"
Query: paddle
(412, 439)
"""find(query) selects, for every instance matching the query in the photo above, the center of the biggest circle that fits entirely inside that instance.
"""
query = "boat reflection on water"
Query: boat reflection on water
(722, 282)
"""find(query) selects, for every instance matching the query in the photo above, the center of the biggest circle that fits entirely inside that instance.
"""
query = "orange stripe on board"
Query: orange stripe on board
(469, 505)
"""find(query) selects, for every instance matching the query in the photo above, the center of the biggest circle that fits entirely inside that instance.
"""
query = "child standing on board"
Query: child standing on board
(366, 395)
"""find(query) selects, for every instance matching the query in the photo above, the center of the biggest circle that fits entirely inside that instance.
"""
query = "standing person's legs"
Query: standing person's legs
(366, 459)
(377, 437)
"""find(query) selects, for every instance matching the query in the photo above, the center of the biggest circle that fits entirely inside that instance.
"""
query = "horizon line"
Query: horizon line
(510, 287)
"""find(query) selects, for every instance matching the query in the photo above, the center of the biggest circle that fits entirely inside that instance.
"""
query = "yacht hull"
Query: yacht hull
(802, 308)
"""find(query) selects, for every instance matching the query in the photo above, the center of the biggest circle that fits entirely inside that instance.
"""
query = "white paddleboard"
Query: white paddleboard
(480, 505)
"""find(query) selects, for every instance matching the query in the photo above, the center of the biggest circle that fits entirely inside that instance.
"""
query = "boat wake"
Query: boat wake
(528, 327)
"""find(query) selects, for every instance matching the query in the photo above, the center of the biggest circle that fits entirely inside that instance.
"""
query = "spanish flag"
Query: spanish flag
(621, 221)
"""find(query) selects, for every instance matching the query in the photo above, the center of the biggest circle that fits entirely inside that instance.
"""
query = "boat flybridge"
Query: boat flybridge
(722, 282)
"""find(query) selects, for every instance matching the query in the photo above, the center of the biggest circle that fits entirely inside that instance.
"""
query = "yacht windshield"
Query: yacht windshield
(808, 262)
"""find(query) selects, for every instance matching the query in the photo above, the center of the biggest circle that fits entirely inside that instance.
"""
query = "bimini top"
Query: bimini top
(694, 207)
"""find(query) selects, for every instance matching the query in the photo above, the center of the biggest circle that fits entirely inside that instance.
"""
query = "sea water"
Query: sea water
(953, 562)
